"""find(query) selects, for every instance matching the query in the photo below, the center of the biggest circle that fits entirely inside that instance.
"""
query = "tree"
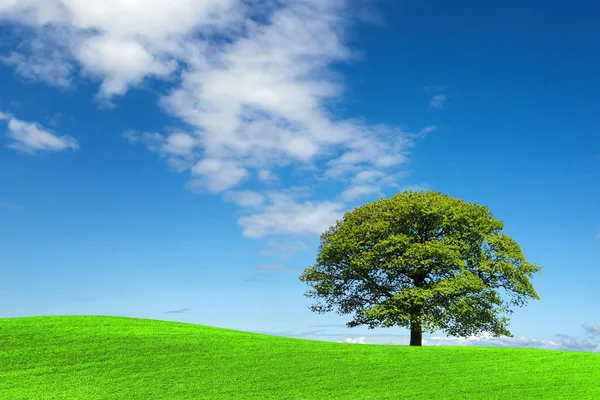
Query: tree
(420, 260)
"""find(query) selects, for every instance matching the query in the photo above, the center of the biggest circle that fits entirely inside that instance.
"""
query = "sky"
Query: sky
(179, 160)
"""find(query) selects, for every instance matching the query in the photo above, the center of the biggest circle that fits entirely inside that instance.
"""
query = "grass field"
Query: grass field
(99, 357)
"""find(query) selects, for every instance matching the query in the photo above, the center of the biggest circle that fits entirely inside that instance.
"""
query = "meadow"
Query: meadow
(102, 357)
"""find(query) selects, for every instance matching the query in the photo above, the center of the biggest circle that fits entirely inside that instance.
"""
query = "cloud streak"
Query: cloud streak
(284, 249)
(439, 97)
(31, 137)
(177, 311)
(438, 101)
(565, 342)
(8, 205)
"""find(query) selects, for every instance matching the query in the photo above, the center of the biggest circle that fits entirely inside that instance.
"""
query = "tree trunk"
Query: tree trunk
(415, 334)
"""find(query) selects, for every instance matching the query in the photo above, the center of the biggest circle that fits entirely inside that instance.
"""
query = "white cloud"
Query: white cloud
(592, 329)
(179, 143)
(427, 130)
(218, 175)
(260, 98)
(254, 102)
(370, 182)
(380, 148)
(119, 62)
(438, 101)
(46, 66)
(367, 176)
(285, 215)
(283, 249)
(565, 343)
(245, 198)
(31, 137)
(178, 148)
(119, 41)
(152, 140)
(439, 98)
(484, 339)
(266, 176)
(354, 192)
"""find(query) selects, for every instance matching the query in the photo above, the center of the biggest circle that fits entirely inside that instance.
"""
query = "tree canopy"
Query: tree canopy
(424, 261)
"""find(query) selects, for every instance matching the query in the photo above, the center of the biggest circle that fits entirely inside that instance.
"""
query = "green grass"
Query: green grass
(98, 357)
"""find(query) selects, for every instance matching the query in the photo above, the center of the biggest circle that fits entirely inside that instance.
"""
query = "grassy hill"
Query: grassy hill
(99, 357)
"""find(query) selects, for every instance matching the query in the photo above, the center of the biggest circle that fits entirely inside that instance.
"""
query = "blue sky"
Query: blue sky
(178, 161)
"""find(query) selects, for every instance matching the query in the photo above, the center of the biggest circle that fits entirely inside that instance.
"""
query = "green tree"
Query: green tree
(424, 261)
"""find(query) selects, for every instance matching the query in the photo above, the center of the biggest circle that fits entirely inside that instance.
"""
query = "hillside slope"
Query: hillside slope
(101, 357)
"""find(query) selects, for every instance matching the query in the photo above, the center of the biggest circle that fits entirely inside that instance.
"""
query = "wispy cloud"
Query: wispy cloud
(266, 176)
(565, 342)
(439, 97)
(245, 198)
(416, 188)
(591, 329)
(285, 214)
(178, 148)
(355, 192)
(432, 89)
(307, 218)
(31, 137)
(277, 267)
(8, 205)
(284, 249)
(42, 58)
(54, 119)
(177, 311)
(250, 78)
(257, 276)
(438, 101)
